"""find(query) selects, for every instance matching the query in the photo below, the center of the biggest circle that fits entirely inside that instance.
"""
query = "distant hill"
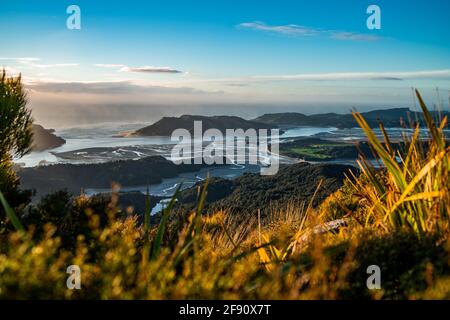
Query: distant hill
(167, 125)
(44, 139)
(389, 117)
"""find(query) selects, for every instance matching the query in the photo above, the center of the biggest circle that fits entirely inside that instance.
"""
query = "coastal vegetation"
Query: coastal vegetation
(249, 194)
(76, 177)
(393, 214)
(317, 149)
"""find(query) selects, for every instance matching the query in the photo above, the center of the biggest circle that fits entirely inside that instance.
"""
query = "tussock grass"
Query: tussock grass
(413, 191)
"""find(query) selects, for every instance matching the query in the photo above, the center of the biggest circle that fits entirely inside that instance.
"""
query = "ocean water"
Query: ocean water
(79, 138)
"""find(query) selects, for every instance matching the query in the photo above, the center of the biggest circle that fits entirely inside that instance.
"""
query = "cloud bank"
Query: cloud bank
(354, 76)
(31, 62)
(302, 31)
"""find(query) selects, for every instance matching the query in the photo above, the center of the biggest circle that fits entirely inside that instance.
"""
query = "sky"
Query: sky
(140, 60)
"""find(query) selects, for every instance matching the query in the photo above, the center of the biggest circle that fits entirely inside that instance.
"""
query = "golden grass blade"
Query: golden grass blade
(422, 173)
(425, 196)
(411, 149)
(437, 138)
(387, 159)
(387, 142)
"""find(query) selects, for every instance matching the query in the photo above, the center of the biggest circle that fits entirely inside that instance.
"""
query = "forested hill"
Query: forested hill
(167, 125)
(389, 117)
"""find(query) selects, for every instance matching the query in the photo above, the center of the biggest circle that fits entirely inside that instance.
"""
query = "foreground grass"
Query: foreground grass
(395, 217)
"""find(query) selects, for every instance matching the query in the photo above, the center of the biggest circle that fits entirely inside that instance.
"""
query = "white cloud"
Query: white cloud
(290, 29)
(143, 69)
(149, 69)
(107, 87)
(302, 31)
(349, 76)
(343, 35)
(32, 62)
(443, 74)
(46, 66)
(109, 65)
(20, 59)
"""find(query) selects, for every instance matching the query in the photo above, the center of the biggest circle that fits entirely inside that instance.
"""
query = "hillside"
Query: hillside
(167, 125)
(44, 139)
(74, 177)
(389, 117)
(292, 184)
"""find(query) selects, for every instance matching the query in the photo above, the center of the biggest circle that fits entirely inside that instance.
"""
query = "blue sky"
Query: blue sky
(288, 53)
